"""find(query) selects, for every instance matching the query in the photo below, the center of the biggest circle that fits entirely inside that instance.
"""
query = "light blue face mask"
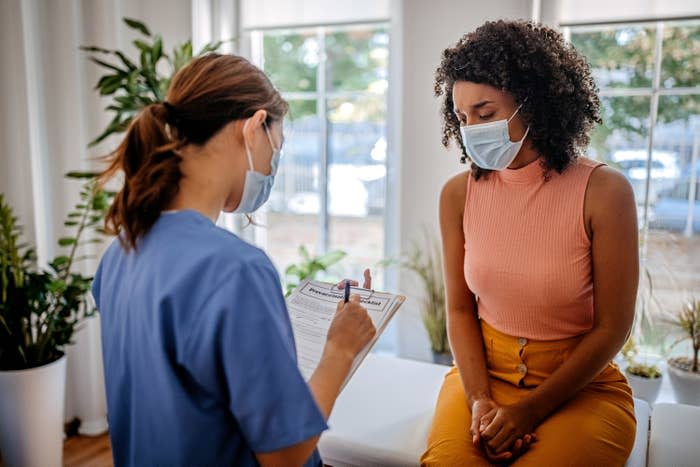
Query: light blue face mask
(257, 187)
(489, 144)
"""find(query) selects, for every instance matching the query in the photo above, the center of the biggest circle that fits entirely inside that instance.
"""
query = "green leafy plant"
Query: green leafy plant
(688, 324)
(136, 83)
(41, 309)
(309, 267)
(426, 262)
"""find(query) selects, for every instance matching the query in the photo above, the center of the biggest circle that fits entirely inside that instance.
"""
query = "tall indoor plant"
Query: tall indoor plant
(40, 310)
(425, 261)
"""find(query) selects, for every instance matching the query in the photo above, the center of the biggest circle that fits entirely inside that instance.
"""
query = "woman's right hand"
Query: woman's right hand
(351, 329)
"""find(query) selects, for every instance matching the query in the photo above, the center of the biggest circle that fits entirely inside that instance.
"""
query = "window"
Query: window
(330, 190)
(649, 79)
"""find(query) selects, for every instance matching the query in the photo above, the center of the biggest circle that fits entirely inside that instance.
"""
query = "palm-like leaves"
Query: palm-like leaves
(134, 84)
(309, 267)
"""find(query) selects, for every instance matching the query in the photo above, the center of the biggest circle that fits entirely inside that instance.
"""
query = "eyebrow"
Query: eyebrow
(478, 105)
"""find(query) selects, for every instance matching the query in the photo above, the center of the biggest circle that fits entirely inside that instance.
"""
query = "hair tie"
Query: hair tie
(170, 114)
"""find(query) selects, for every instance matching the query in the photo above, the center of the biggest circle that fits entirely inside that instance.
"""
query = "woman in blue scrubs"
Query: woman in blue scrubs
(199, 356)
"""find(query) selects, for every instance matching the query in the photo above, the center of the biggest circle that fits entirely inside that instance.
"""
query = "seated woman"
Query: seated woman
(541, 261)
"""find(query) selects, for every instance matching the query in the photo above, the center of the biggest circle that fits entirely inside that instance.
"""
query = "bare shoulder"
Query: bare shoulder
(609, 198)
(454, 191)
(607, 184)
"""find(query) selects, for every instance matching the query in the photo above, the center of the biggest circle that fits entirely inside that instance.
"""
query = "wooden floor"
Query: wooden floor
(84, 451)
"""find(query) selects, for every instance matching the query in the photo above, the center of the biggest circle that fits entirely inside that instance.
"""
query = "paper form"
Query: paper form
(312, 306)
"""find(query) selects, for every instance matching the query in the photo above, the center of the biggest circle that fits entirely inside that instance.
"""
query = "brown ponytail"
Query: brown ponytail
(203, 97)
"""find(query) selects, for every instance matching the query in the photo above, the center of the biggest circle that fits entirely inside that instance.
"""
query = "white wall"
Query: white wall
(427, 28)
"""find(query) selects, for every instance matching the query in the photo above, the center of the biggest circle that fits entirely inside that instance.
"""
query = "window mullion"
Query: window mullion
(321, 111)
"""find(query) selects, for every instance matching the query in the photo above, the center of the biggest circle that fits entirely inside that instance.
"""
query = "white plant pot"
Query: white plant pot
(31, 415)
(686, 385)
(643, 388)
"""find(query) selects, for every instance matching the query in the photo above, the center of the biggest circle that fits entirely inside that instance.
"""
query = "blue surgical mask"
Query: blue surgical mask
(257, 187)
(489, 144)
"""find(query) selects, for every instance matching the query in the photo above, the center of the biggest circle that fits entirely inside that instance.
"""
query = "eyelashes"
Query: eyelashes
(463, 121)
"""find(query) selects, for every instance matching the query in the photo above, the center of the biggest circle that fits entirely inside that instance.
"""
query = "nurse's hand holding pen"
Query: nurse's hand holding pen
(352, 327)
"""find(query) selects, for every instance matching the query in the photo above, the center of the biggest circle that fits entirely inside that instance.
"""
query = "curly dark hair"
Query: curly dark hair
(543, 73)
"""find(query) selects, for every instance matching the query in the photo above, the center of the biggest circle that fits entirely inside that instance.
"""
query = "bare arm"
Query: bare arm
(463, 327)
(613, 227)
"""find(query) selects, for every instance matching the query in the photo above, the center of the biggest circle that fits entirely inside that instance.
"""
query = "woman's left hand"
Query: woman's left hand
(504, 425)
(366, 285)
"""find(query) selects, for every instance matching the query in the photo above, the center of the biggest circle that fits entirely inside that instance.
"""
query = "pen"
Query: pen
(347, 290)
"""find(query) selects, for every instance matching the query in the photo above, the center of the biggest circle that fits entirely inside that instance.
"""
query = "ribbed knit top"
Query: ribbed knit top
(527, 255)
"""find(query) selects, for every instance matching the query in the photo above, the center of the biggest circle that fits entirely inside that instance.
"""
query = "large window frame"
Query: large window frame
(654, 92)
(323, 95)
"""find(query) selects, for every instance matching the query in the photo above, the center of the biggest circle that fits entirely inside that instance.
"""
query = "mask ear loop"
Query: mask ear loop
(247, 149)
(527, 130)
(514, 113)
(269, 137)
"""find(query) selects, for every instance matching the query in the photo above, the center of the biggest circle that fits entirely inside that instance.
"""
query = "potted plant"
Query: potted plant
(309, 267)
(426, 263)
(39, 312)
(683, 371)
(645, 378)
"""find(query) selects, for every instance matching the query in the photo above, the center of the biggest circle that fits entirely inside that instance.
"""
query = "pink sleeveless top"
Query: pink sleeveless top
(527, 256)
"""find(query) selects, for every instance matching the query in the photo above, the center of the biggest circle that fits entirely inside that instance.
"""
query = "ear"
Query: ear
(251, 125)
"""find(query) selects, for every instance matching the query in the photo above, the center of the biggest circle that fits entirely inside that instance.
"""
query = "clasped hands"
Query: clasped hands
(504, 432)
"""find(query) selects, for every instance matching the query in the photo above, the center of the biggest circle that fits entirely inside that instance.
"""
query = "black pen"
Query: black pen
(347, 291)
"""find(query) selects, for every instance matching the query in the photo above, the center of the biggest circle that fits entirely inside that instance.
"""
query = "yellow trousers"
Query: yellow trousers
(595, 428)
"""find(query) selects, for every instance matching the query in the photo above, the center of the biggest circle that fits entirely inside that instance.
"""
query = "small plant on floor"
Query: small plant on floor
(309, 267)
(688, 323)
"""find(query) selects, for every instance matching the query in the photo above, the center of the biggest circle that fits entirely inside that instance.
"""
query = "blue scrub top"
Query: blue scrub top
(199, 356)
